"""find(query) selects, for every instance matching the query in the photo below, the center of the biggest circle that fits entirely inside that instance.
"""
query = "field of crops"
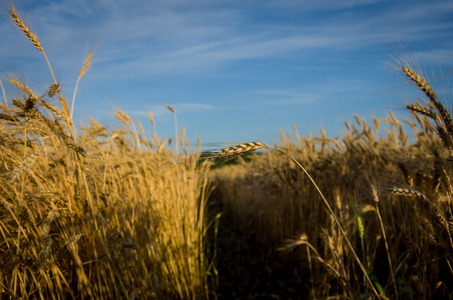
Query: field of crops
(118, 213)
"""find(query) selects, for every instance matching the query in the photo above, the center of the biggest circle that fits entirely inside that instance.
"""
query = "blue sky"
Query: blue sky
(234, 71)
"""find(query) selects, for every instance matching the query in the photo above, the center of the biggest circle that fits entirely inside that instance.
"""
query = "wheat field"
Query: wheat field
(116, 213)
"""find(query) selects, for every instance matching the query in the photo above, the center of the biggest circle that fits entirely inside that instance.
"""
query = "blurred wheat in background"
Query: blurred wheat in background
(109, 213)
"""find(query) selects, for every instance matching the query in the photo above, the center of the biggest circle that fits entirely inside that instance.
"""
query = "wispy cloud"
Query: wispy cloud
(283, 97)
(159, 110)
(276, 53)
(146, 38)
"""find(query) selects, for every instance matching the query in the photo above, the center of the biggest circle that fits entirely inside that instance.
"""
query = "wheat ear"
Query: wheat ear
(120, 115)
(419, 81)
(25, 29)
(408, 192)
(82, 72)
(176, 129)
(238, 150)
(422, 110)
(32, 37)
(247, 147)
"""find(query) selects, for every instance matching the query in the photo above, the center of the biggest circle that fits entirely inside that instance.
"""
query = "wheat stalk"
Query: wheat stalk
(3, 92)
(176, 129)
(378, 213)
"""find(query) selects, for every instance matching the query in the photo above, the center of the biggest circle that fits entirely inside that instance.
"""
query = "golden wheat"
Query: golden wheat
(429, 92)
(120, 115)
(171, 108)
(25, 28)
(15, 17)
(53, 90)
(82, 72)
(22, 86)
(238, 150)
(421, 83)
(247, 147)
(408, 192)
(422, 110)
(86, 65)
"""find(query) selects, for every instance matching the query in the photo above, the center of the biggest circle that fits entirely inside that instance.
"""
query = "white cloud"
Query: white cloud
(145, 38)
(159, 110)
(325, 5)
(284, 97)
